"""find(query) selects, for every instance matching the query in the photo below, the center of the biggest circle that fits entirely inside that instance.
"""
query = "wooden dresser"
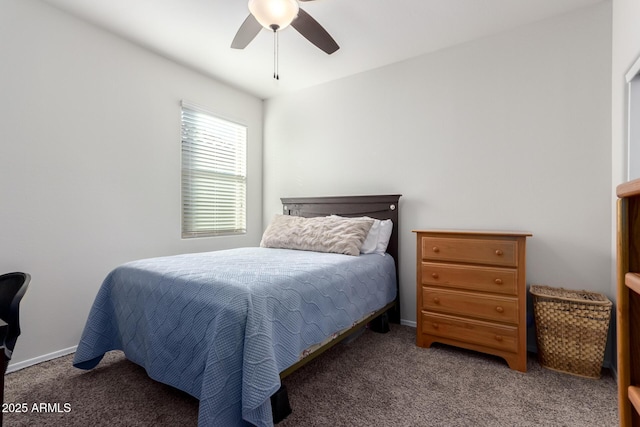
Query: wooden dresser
(471, 292)
(628, 302)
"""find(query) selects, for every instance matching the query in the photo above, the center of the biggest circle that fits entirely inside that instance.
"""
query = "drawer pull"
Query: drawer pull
(435, 325)
(499, 252)
(498, 337)
(434, 275)
(436, 300)
(499, 309)
(498, 281)
(436, 249)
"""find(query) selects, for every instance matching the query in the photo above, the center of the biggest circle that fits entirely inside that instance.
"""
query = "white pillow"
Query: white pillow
(378, 238)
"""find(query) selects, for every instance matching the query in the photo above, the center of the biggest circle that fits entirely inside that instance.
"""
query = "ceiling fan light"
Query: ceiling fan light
(270, 13)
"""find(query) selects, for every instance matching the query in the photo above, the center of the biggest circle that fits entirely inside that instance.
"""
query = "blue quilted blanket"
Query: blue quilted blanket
(222, 325)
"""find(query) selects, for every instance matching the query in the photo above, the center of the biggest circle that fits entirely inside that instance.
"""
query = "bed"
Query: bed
(226, 326)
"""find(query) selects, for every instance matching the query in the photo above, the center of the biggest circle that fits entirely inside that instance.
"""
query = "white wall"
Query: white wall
(90, 163)
(507, 132)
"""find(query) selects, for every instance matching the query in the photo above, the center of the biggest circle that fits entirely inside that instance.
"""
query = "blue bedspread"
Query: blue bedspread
(222, 325)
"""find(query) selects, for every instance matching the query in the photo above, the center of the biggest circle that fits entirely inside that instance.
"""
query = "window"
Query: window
(214, 177)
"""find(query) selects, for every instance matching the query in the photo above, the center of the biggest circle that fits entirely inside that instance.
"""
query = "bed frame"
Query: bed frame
(379, 207)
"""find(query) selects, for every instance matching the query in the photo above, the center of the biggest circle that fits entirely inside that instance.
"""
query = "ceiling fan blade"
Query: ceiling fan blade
(312, 31)
(247, 32)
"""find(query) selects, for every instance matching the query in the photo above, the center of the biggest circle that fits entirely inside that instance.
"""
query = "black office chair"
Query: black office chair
(12, 288)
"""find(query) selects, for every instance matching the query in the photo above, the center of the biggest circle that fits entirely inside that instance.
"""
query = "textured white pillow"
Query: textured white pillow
(378, 238)
(319, 234)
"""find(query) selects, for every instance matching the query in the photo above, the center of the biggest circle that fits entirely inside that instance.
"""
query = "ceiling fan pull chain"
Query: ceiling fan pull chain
(276, 72)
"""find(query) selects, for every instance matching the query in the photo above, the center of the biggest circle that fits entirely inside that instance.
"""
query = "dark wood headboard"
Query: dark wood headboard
(378, 206)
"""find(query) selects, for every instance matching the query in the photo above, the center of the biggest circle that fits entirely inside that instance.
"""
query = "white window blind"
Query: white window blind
(214, 176)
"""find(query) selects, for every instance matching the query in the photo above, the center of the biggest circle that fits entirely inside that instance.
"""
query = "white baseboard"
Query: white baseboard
(26, 363)
(411, 323)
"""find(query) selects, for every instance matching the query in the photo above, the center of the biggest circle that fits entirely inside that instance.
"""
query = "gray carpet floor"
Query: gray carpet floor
(376, 380)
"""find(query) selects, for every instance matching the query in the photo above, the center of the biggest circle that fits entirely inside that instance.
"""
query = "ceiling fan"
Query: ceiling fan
(275, 15)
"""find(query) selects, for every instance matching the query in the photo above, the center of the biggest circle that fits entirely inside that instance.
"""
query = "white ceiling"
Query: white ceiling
(371, 33)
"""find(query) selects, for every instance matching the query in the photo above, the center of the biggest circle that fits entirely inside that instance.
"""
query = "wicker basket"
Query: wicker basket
(571, 329)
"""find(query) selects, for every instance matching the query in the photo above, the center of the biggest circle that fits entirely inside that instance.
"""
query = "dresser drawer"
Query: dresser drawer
(485, 279)
(500, 337)
(484, 306)
(476, 251)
